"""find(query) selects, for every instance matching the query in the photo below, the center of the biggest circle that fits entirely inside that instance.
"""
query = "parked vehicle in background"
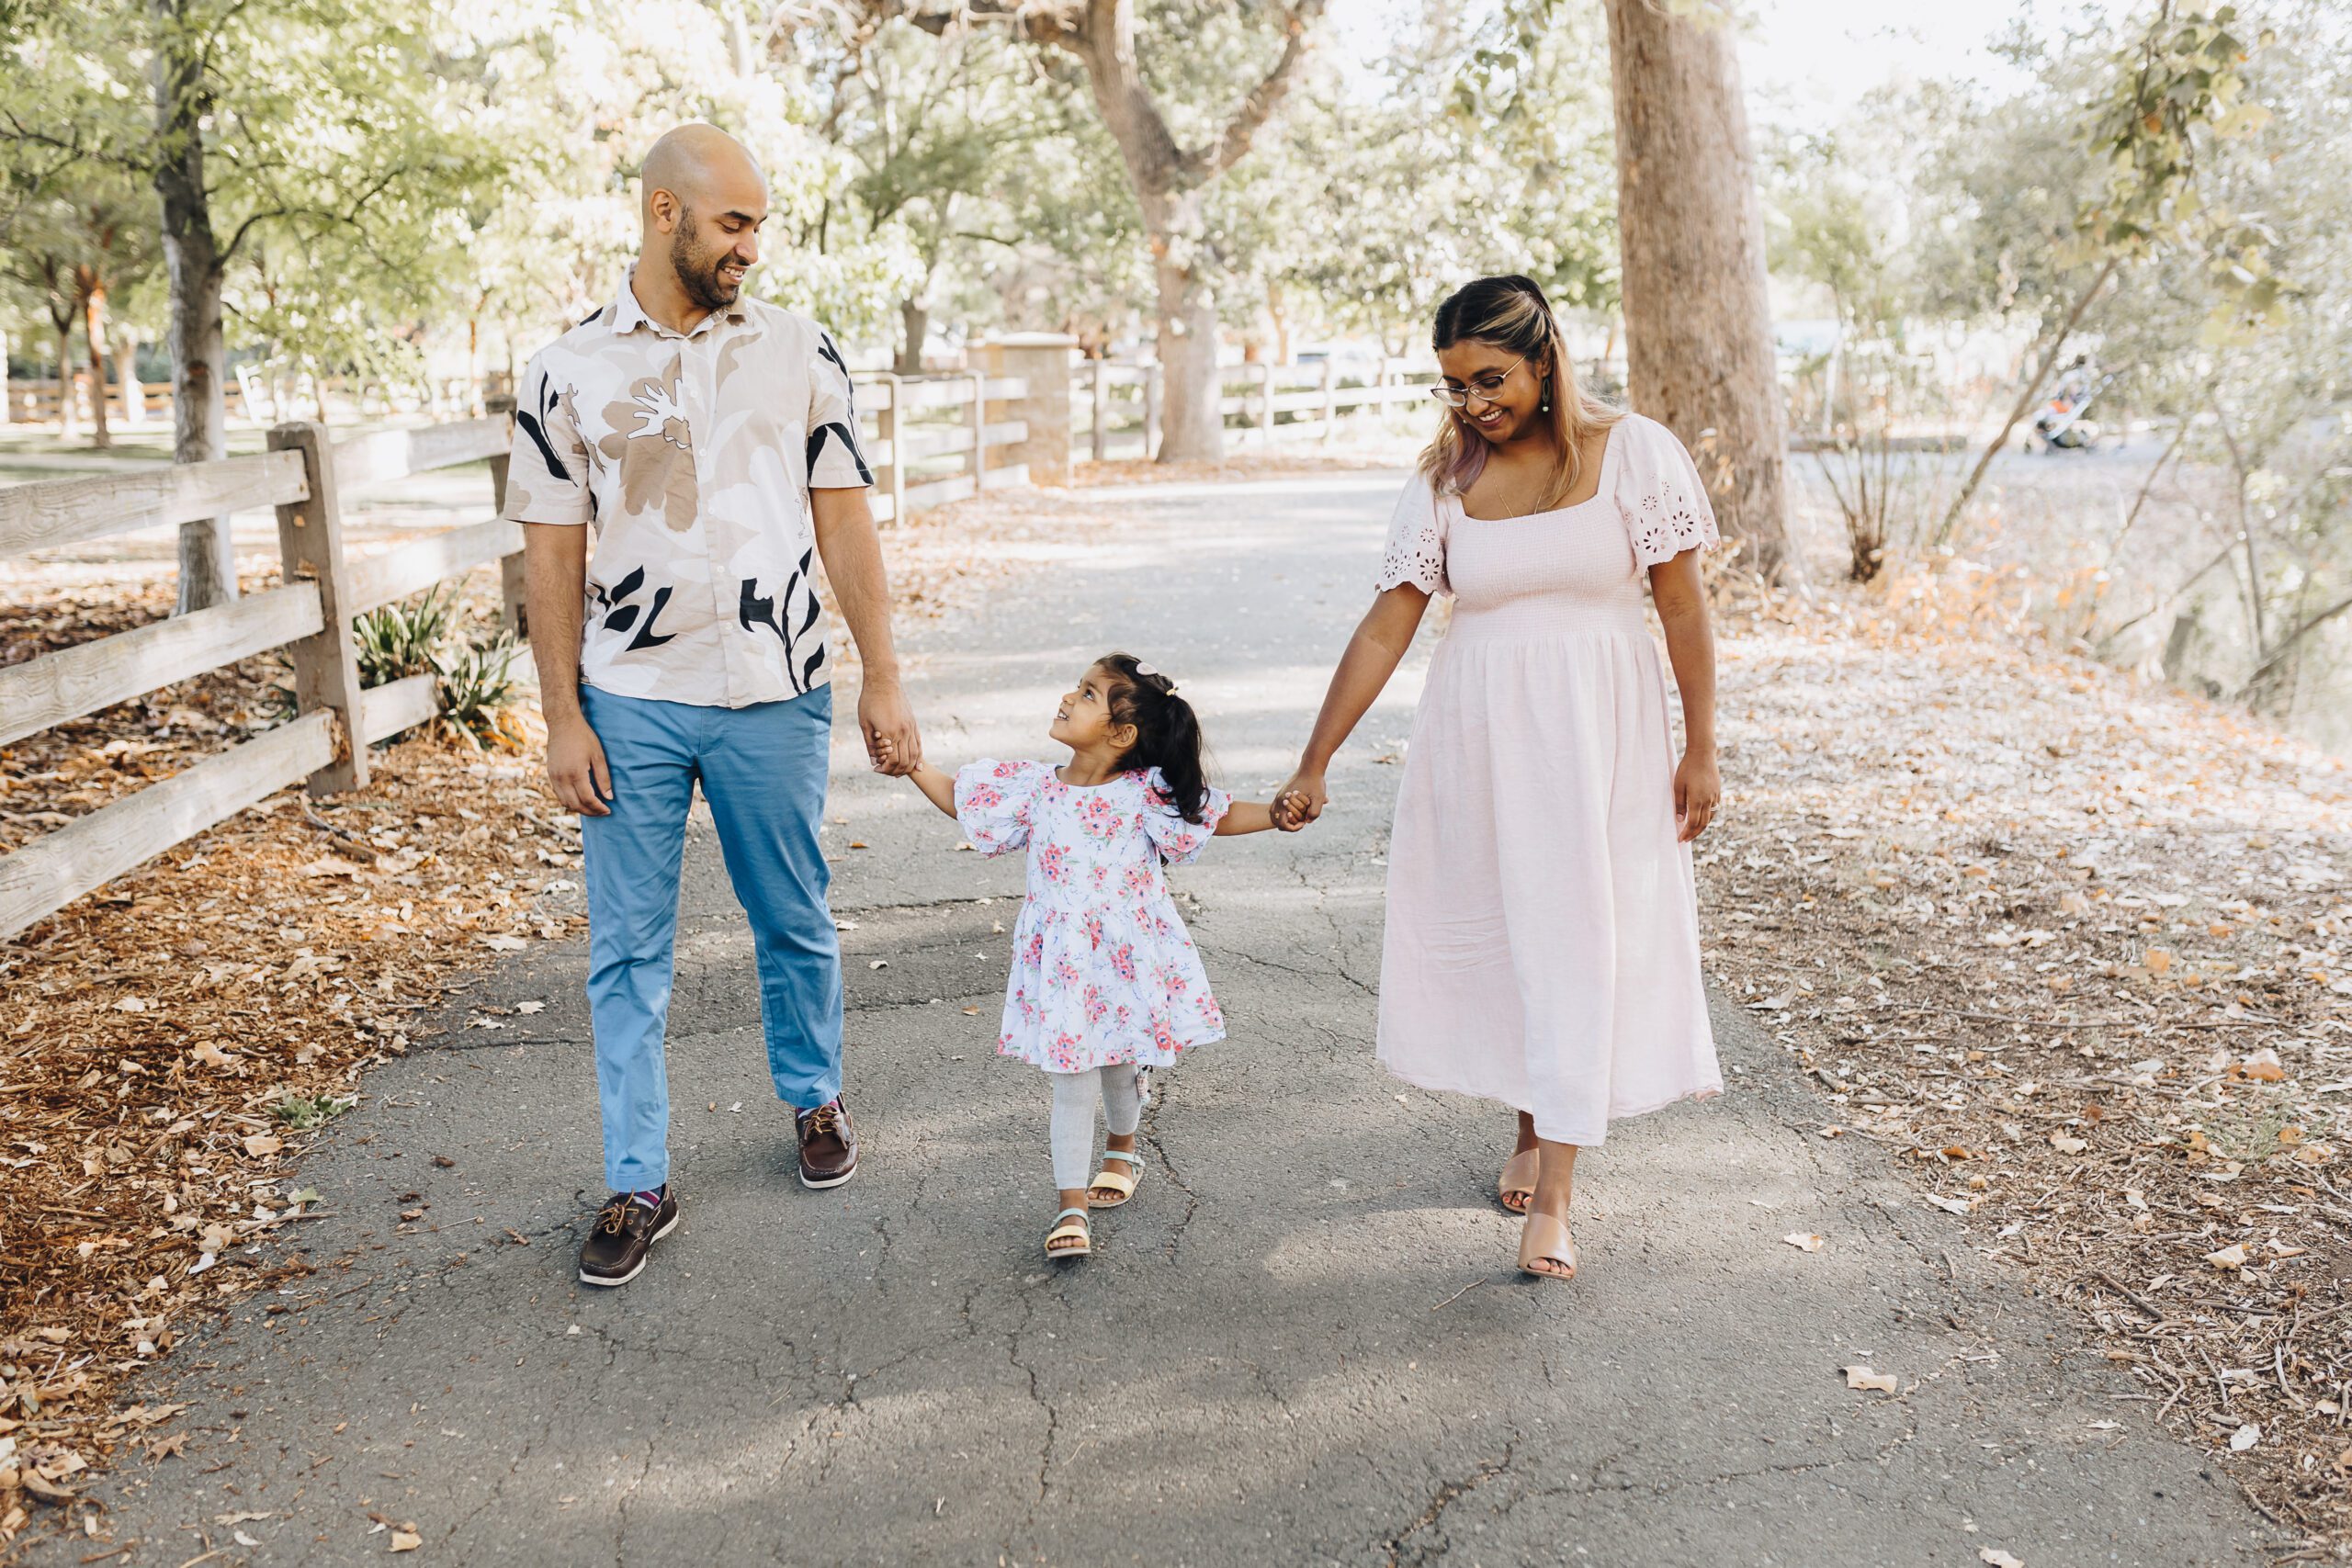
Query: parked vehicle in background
(2063, 424)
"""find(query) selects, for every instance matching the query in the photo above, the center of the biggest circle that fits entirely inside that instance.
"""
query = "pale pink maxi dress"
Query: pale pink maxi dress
(1543, 935)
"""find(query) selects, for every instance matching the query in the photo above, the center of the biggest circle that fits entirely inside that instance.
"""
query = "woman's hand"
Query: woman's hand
(1300, 801)
(1698, 790)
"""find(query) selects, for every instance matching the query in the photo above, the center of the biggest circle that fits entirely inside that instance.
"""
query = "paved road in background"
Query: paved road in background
(1302, 1343)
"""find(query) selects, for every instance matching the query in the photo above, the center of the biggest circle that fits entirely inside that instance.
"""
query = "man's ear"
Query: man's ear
(666, 208)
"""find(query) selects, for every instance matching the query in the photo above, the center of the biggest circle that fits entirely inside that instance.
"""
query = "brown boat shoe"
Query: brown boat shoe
(623, 1237)
(828, 1145)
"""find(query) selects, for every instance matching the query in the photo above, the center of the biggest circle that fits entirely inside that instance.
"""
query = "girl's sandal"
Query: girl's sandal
(1519, 1180)
(1123, 1184)
(1071, 1230)
(1545, 1240)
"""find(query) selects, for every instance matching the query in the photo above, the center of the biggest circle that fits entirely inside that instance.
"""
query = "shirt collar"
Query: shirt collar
(628, 315)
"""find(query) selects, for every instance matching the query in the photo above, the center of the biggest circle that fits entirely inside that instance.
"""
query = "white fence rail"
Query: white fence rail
(1115, 406)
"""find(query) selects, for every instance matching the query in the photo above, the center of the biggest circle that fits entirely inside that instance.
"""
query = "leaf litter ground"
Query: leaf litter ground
(2080, 951)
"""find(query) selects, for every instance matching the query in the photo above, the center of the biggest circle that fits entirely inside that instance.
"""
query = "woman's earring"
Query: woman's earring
(1547, 395)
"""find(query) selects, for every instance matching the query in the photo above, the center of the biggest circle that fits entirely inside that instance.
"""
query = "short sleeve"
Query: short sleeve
(547, 478)
(1660, 495)
(1416, 542)
(834, 460)
(1176, 840)
(993, 801)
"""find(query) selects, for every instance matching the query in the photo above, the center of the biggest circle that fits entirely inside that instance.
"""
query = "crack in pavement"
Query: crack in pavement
(1446, 1495)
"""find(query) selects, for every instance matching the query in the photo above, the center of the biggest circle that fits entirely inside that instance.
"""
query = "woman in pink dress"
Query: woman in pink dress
(1543, 933)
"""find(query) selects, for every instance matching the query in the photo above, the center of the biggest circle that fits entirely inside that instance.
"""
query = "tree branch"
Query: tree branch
(1268, 94)
(2279, 654)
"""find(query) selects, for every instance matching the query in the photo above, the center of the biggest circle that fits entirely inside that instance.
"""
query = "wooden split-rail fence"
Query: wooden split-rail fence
(912, 428)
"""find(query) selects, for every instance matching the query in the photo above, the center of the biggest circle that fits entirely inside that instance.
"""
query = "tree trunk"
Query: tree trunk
(1698, 325)
(193, 262)
(1192, 425)
(915, 324)
(69, 407)
(94, 327)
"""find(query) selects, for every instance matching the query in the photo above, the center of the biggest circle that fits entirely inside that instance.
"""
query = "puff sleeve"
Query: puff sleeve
(1660, 495)
(1178, 841)
(1416, 542)
(993, 802)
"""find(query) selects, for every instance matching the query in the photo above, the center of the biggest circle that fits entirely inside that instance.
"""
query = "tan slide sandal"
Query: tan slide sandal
(1545, 1240)
(1123, 1183)
(1519, 1176)
(1070, 1238)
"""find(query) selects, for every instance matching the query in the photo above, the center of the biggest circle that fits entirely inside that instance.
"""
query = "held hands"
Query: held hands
(1300, 801)
(1698, 790)
(893, 744)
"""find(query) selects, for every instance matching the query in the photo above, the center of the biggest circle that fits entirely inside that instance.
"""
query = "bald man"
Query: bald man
(709, 441)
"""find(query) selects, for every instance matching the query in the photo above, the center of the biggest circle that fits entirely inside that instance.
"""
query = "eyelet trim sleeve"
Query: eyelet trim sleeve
(1416, 542)
(1180, 842)
(1661, 496)
(993, 802)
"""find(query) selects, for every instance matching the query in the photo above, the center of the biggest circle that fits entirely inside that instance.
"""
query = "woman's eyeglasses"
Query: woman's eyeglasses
(1485, 389)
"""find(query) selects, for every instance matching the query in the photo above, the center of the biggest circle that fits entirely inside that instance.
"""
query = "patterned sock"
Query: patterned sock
(653, 1198)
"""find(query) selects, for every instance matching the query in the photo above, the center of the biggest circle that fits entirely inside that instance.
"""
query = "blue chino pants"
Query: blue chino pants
(762, 769)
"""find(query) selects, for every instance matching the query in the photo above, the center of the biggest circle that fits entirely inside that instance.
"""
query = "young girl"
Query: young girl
(1106, 983)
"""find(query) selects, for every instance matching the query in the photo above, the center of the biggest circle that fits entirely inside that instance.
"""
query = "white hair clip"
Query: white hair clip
(1143, 669)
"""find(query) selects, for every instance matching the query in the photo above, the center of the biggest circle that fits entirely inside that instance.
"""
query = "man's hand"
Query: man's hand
(893, 744)
(576, 767)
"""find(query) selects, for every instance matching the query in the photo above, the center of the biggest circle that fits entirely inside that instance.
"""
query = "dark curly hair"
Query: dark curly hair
(1168, 733)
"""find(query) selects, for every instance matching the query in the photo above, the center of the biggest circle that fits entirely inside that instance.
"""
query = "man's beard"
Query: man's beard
(698, 269)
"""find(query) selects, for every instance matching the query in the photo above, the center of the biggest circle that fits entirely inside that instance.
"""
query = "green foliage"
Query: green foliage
(476, 687)
(404, 639)
(303, 1111)
(2184, 76)
(1481, 150)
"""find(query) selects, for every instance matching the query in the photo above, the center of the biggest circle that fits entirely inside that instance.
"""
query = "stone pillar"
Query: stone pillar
(1042, 359)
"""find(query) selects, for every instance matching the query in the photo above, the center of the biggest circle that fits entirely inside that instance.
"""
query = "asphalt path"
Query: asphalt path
(1302, 1343)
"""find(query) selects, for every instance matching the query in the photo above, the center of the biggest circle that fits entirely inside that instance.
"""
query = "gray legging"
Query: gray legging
(1120, 1089)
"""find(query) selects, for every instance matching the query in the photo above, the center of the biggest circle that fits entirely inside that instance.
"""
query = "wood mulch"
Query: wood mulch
(2080, 951)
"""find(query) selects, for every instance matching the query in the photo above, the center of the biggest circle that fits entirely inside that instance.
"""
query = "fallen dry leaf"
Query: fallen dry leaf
(1863, 1377)
(1996, 1558)
(1804, 1241)
(406, 1539)
(2229, 1256)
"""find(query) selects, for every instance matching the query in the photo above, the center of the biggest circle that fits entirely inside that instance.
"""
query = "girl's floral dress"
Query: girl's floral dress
(1102, 968)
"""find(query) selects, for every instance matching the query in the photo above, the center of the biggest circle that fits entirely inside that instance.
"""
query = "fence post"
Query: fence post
(1265, 403)
(7, 393)
(1330, 403)
(310, 541)
(1100, 441)
(512, 574)
(1153, 390)
(1041, 360)
(977, 415)
(888, 425)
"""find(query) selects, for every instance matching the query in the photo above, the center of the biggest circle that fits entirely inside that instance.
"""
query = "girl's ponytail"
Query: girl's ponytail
(1168, 733)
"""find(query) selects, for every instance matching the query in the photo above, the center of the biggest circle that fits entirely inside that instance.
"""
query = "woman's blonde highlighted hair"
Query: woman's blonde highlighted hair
(1512, 313)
